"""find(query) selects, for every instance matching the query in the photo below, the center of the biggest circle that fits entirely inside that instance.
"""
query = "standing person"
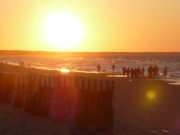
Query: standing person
(132, 72)
(150, 71)
(98, 68)
(153, 71)
(113, 67)
(128, 71)
(156, 71)
(138, 72)
(165, 71)
(22, 63)
(142, 71)
(124, 71)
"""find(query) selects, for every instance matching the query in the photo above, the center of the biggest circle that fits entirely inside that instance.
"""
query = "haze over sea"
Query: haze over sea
(87, 62)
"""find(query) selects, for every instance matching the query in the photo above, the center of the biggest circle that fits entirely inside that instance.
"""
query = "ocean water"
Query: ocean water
(89, 63)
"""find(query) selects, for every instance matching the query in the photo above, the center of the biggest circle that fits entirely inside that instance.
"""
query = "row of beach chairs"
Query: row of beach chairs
(85, 103)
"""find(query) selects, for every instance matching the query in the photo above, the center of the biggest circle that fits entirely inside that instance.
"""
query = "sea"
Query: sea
(88, 63)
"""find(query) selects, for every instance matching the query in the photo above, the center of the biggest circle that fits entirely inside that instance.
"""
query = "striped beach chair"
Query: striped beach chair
(42, 96)
(2, 84)
(20, 90)
(94, 110)
(9, 87)
(63, 105)
(30, 91)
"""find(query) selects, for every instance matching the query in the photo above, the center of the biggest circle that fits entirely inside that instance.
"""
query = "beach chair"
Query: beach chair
(94, 112)
(9, 87)
(42, 96)
(30, 91)
(2, 84)
(63, 104)
(20, 90)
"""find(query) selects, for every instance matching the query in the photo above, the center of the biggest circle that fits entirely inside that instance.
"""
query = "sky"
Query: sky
(108, 25)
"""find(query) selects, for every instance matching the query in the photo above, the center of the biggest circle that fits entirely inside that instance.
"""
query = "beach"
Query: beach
(139, 106)
(15, 122)
(90, 67)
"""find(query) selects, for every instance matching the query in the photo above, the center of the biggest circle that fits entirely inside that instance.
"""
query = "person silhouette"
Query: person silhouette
(22, 63)
(165, 71)
(113, 67)
(153, 71)
(150, 71)
(132, 71)
(142, 71)
(128, 71)
(124, 71)
(98, 68)
(138, 72)
(156, 71)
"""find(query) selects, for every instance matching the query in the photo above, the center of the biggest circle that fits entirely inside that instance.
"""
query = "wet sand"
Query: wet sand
(24, 70)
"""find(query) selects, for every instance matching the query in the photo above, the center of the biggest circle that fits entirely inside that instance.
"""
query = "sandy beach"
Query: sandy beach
(90, 67)
(15, 122)
(140, 106)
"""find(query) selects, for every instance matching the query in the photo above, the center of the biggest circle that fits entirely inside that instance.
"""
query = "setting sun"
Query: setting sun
(63, 30)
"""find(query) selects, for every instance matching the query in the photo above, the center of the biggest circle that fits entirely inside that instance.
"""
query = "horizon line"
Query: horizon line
(92, 51)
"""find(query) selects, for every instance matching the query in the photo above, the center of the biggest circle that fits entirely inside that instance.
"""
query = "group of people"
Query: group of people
(153, 71)
(133, 72)
(21, 64)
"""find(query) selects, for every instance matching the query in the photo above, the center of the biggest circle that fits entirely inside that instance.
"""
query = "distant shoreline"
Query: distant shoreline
(21, 52)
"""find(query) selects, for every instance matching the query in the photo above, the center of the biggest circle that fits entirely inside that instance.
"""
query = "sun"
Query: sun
(64, 31)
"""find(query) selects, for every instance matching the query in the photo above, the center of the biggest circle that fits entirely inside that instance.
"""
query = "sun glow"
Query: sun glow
(64, 70)
(63, 30)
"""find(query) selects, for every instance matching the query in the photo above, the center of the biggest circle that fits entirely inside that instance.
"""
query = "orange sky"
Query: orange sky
(109, 25)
